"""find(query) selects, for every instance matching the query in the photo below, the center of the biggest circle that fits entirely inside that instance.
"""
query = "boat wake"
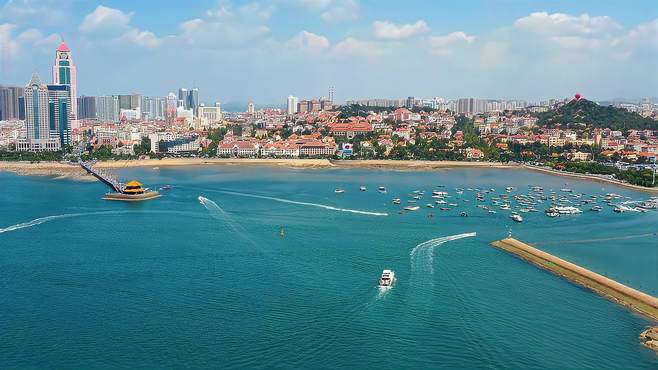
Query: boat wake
(422, 258)
(317, 205)
(218, 213)
(41, 220)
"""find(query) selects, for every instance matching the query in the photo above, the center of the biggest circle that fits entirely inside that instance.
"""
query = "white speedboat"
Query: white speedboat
(430, 205)
(339, 191)
(381, 189)
(411, 208)
(363, 188)
(517, 218)
(387, 279)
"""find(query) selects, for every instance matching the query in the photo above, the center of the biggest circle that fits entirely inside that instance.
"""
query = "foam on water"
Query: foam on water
(318, 205)
(422, 256)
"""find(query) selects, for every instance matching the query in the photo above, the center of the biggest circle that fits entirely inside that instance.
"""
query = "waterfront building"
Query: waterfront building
(193, 100)
(37, 125)
(65, 73)
(60, 114)
(183, 97)
(292, 105)
(209, 115)
(86, 107)
(107, 108)
(9, 102)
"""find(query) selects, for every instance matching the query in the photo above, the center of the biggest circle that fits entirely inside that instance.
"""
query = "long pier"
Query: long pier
(105, 177)
(629, 297)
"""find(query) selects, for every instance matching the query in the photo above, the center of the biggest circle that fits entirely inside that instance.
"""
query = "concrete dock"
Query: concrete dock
(632, 298)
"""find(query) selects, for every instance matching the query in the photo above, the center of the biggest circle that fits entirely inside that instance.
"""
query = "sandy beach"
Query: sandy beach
(64, 170)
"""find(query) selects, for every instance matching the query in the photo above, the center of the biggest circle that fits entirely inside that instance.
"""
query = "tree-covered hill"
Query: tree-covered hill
(584, 111)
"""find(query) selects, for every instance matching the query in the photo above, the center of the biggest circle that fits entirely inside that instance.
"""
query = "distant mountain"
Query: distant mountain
(583, 111)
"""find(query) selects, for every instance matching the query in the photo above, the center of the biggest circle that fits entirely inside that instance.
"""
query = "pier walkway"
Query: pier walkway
(105, 177)
(629, 297)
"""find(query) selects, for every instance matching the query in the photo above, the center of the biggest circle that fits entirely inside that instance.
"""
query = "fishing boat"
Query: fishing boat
(339, 191)
(387, 279)
(411, 208)
(363, 188)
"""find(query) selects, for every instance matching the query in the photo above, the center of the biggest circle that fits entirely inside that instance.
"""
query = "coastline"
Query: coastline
(597, 178)
(61, 170)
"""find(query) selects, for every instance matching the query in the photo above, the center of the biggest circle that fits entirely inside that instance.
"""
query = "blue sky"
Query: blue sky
(265, 50)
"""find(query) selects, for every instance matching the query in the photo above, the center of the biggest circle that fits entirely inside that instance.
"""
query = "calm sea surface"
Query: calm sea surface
(272, 269)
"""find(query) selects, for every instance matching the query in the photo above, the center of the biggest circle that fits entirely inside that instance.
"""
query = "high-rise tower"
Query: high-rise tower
(64, 73)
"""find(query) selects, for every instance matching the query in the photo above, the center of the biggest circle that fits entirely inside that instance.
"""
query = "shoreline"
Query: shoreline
(59, 170)
(592, 177)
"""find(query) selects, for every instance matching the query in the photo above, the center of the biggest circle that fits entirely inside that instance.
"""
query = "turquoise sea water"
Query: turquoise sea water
(174, 283)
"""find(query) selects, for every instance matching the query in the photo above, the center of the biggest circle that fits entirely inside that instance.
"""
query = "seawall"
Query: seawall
(629, 297)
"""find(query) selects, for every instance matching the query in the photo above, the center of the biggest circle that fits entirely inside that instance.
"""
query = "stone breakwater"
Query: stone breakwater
(627, 296)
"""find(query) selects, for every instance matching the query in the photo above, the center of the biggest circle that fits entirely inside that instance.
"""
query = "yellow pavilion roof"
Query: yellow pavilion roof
(133, 183)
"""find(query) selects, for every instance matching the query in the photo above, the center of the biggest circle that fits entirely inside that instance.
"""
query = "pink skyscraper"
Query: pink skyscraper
(64, 73)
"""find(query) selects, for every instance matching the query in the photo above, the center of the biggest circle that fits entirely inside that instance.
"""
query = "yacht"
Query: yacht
(517, 218)
(567, 210)
(363, 188)
(339, 191)
(387, 279)
(411, 208)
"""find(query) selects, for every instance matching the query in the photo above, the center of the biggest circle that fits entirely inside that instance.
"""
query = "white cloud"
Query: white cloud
(564, 25)
(114, 25)
(444, 44)
(355, 46)
(391, 31)
(49, 12)
(308, 40)
(340, 11)
(104, 20)
(8, 46)
(28, 40)
(228, 26)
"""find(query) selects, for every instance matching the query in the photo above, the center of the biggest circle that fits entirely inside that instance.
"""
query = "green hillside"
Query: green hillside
(587, 112)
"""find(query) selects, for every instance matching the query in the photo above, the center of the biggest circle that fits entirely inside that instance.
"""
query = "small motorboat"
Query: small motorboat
(430, 205)
(387, 279)
(381, 189)
(339, 191)
(552, 213)
(517, 218)
(464, 214)
(166, 187)
(397, 201)
(596, 208)
(411, 208)
(363, 188)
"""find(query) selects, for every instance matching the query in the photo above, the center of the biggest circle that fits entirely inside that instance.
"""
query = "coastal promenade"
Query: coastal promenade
(627, 296)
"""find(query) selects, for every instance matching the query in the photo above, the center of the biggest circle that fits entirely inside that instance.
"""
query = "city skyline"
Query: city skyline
(250, 51)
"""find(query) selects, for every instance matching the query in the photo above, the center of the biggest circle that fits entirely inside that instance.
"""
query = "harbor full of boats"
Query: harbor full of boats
(563, 202)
